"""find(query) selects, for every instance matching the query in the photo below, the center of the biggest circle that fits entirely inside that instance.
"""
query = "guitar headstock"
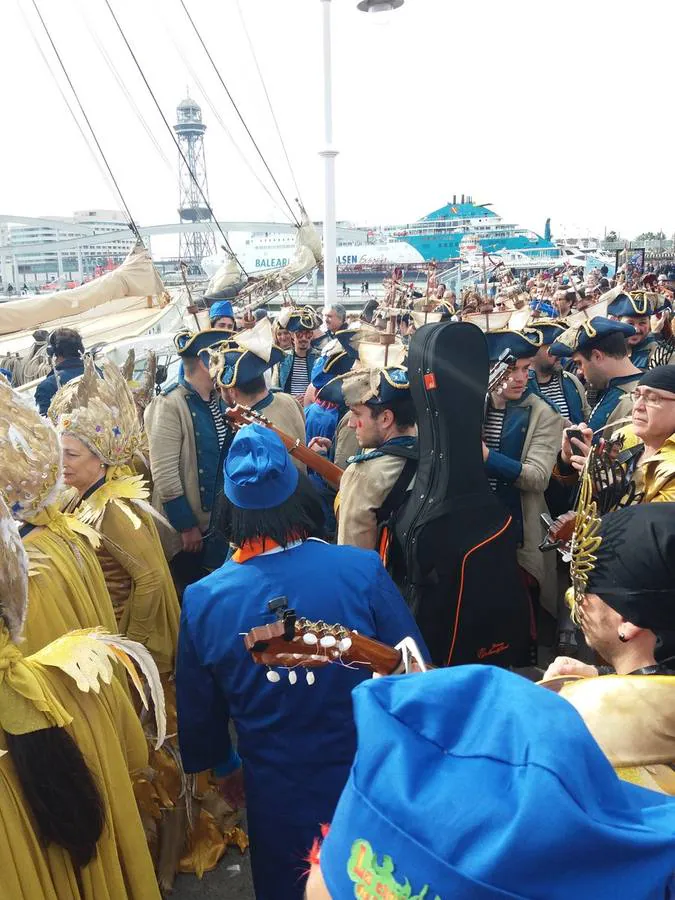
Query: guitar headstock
(244, 415)
(294, 642)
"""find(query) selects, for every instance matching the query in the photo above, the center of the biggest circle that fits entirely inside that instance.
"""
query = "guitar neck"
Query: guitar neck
(381, 658)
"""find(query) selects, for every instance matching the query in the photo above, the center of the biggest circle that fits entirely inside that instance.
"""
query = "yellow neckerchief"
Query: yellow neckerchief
(26, 701)
(120, 484)
(65, 525)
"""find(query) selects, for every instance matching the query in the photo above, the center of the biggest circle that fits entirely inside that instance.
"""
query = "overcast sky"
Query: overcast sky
(560, 109)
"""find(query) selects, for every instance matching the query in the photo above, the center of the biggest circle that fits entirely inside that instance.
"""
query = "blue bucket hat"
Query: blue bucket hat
(587, 334)
(259, 473)
(507, 796)
(219, 309)
(191, 343)
(522, 344)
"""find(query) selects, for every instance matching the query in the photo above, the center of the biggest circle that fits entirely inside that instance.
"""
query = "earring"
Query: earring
(622, 637)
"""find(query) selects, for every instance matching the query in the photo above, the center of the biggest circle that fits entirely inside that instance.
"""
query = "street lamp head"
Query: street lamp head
(375, 6)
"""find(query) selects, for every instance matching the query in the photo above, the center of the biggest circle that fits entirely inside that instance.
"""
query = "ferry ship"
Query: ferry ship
(461, 229)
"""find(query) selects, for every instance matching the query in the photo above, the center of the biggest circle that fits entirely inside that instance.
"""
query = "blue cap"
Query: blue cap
(191, 343)
(393, 386)
(522, 344)
(550, 329)
(636, 304)
(219, 309)
(238, 366)
(586, 334)
(506, 796)
(259, 473)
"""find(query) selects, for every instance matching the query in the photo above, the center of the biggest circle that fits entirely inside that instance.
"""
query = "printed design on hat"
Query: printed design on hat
(397, 378)
(374, 880)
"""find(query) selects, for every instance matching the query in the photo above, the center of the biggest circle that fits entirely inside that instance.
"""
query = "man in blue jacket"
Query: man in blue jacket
(65, 351)
(296, 736)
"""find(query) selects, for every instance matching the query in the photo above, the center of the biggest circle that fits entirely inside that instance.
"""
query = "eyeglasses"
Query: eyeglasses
(653, 400)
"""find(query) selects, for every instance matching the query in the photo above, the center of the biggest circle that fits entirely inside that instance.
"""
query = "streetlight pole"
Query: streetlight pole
(328, 153)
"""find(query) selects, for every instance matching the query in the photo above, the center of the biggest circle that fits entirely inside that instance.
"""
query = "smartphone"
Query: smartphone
(575, 433)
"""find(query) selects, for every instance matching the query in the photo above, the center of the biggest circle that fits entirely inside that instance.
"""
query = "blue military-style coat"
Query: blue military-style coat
(296, 741)
(640, 353)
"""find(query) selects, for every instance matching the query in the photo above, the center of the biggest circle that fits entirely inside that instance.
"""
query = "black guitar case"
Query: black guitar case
(453, 544)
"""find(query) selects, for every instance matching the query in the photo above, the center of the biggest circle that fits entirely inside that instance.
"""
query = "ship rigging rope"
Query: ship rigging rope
(227, 246)
(132, 223)
(236, 109)
(267, 96)
(120, 81)
(195, 77)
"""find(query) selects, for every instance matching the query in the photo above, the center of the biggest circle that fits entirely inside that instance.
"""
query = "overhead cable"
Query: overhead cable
(132, 223)
(236, 109)
(269, 101)
(228, 248)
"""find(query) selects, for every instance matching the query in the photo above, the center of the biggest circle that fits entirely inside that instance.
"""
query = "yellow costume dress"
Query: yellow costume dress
(100, 412)
(66, 587)
(60, 687)
(654, 477)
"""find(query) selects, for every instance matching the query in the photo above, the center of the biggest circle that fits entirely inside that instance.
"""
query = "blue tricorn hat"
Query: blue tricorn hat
(304, 319)
(636, 304)
(521, 344)
(191, 343)
(550, 328)
(219, 309)
(587, 334)
(258, 472)
(329, 367)
(530, 806)
(372, 387)
(233, 366)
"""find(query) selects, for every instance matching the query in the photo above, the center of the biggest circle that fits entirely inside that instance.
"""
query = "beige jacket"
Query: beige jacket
(363, 489)
(624, 407)
(286, 415)
(542, 442)
(346, 444)
(173, 459)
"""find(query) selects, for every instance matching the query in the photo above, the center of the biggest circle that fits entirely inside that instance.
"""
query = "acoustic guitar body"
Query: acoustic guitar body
(454, 548)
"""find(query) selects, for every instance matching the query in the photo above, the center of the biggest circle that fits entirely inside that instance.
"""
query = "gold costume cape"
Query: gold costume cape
(66, 588)
(107, 731)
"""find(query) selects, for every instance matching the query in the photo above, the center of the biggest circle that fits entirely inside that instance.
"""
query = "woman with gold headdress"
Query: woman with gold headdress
(66, 586)
(69, 825)
(100, 432)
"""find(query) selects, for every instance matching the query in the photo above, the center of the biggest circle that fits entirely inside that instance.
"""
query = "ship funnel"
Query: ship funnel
(462, 198)
(454, 199)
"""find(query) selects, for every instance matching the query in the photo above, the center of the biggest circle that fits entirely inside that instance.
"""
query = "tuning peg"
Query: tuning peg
(310, 638)
(273, 676)
(310, 678)
(328, 641)
(345, 644)
(292, 677)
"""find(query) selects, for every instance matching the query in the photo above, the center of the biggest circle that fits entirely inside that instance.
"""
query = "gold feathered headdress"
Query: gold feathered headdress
(13, 574)
(142, 391)
(100, 412)
(30, 456)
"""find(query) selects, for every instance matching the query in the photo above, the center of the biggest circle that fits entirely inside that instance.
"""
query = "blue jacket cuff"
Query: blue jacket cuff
(179, 513)
(498, 465)
(230, 765)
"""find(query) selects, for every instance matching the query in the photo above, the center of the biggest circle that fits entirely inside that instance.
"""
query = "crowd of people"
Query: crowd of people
(162, 524)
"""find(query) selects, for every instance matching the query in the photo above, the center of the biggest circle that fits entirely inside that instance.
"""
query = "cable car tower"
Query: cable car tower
(194, 246)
